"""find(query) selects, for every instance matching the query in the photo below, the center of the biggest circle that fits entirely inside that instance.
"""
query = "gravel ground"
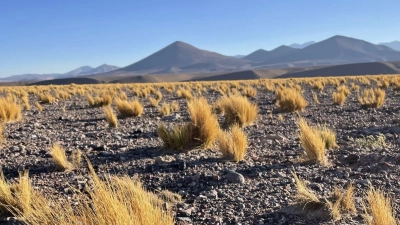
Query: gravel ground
(258, 190)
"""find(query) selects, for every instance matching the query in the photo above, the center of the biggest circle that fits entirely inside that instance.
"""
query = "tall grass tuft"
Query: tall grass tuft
(233, 143)
(204, 122)
(379, 211)
(9, 110)
(290, 100)
(237, 110)
(111, 117)
(372, 98)
(312, 142)
(129, 108)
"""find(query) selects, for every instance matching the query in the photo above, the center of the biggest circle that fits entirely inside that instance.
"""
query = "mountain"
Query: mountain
(295, 45)
(339, 50)
(80, 70)
(394, 44)
(238, 56)
(103, 69)
(83, 70)
(180, 54)
(262, 55)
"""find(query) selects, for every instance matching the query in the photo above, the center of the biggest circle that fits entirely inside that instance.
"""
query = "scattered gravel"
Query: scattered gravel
(258, 190)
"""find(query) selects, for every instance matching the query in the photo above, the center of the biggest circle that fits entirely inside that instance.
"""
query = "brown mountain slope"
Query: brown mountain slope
(372, 68)
(180, 54)
(262, 55)
(340, 49)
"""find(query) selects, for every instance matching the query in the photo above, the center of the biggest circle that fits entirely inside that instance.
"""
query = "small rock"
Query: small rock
(235, 177)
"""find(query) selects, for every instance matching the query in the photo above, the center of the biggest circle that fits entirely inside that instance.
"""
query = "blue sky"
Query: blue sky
(45, 36)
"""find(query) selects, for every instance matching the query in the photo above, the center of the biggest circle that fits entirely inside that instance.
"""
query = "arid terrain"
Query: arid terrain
(259, 189)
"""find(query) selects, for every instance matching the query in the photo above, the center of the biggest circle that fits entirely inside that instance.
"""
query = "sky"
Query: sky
(47, 36)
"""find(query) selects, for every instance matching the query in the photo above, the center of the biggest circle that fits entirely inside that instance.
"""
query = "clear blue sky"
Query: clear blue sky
(45, 36)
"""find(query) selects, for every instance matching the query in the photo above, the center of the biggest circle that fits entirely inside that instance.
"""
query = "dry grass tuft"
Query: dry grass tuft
(46, 98)
(315, 98)
(372, 98)
(111, 117)
(201, 131)
(183, 93)
(347, 201)
(153, 102)
(25, 101)
(305, 197)
(174, 106)
(379, 210)
(15, 197)
(39, 106)
(105, 100)
(115, 200)
(129, 108)
(328, 136)
(177, 137)
(340, 96)
(237, 110)
(9, 110)
(290, 100)
(204, 122)
(233, 143)
(312, 142)
(59, 157)
(164, 109)
(249, 92)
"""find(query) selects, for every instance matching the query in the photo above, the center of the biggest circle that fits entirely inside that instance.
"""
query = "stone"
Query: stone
(235, 177)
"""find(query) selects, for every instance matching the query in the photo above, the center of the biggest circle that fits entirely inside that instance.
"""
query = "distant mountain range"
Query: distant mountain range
(183, 58)
(394, 44)
(302, 45)
(81, 71)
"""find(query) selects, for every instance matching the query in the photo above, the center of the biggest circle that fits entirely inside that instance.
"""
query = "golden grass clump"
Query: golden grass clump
(204, 122)
(159, 95)
(39, 106)
(16, 197)
(174, 106)
(164, 109)
(202, 130)
(183, 93)
(46, 98)
(233, 143)
(153, 102)
(115, 200)
(319, 85)
(379, 211)
(249, 92)
(355, 87)
(9, 110)
(347, 200)
(237, 109)
(111, 117)
(98, 101)
(328, 136)
(372, 98)
(304, 195)
(129, 108)
(312, 142)
(315, 98)
(339, 98)
(25, 102)
(59, 157)
(290, 100)
(178, 137)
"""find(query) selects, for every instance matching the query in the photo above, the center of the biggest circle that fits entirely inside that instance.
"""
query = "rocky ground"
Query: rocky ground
(259, 190)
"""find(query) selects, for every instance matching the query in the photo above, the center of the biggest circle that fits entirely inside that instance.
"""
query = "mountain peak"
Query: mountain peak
(180, 54)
